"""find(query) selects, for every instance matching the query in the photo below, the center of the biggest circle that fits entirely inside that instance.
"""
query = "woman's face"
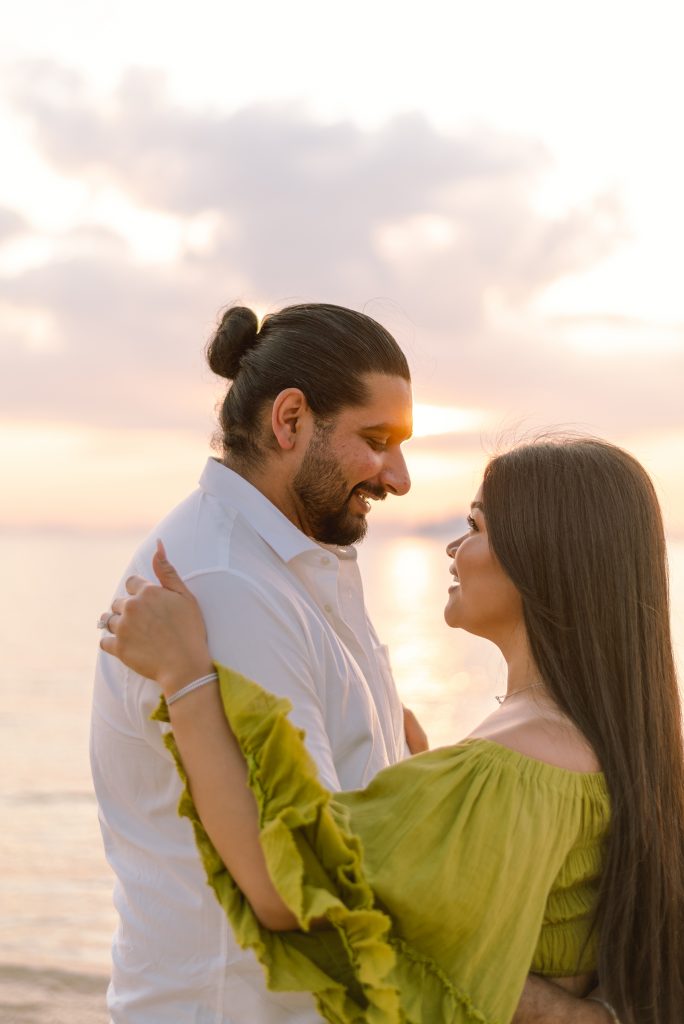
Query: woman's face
(482, 599)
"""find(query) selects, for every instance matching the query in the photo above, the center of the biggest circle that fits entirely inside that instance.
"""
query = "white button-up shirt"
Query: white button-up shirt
(289, 613)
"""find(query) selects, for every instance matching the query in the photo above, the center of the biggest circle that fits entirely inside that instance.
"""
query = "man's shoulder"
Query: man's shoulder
(201, 535)
(224, 560)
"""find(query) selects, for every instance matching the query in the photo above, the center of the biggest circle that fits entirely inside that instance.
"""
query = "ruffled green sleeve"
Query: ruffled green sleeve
(441, 882)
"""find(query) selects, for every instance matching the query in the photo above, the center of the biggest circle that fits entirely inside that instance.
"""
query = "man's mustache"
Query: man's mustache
(372, 490)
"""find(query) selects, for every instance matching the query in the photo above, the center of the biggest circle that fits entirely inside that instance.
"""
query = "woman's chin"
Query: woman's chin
(451, 612)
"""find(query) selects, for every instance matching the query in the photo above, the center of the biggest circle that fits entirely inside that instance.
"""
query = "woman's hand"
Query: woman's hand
(159, 631)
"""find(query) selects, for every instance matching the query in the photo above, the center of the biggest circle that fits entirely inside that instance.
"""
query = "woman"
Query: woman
(550, 840)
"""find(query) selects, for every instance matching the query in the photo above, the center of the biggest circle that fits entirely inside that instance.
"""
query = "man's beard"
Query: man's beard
(323, 491)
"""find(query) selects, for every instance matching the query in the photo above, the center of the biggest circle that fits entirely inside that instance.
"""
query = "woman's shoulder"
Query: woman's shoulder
(542, 733)
(554, 745)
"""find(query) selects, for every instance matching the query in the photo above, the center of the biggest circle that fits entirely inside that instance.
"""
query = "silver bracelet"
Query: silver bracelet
(194, 685)
(606, 1006)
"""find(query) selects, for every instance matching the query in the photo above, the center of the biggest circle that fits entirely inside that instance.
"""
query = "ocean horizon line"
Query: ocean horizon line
(446, 526)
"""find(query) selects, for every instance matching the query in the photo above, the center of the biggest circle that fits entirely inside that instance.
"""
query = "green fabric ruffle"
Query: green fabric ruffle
(316, 865)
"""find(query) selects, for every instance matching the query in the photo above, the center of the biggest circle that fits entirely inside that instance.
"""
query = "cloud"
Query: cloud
(304, 204)
(438, 233)
(123, 345)
(11, 225)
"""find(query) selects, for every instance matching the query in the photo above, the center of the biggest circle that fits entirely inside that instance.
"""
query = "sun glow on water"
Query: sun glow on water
(409, 564)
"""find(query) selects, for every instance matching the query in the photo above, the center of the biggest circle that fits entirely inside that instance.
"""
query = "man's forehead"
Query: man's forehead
(388, 408)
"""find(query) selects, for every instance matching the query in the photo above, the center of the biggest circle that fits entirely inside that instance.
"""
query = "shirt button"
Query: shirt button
(327, 608)
(325, 560)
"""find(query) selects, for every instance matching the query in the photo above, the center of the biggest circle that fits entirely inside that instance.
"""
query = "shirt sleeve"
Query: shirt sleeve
(267, 639)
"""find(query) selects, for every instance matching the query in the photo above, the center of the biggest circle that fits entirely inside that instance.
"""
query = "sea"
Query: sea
(56, 914)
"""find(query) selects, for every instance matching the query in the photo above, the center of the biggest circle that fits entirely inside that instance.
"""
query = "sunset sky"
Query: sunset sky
(500, 184)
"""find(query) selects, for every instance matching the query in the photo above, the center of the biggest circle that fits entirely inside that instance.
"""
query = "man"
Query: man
(281, 606)
(312, 428)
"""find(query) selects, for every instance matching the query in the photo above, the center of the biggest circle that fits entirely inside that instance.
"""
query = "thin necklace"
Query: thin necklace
(500, 698)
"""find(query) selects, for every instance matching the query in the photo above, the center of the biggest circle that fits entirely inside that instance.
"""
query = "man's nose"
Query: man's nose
(395, 475)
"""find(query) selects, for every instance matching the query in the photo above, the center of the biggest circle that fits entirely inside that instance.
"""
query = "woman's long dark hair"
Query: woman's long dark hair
(576, 525)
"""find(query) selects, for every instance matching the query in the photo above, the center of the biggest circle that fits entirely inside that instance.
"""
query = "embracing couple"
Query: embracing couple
(501, 879)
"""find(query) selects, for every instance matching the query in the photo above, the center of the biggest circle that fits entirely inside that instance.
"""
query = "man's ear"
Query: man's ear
(289, 415)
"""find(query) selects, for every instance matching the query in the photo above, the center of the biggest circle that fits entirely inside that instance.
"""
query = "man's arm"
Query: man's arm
(416, 737)
(542, 1002)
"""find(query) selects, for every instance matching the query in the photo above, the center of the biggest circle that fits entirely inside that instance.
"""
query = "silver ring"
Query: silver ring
(104, 620)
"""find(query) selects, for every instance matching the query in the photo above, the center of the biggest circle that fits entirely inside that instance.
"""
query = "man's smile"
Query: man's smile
(363, 494)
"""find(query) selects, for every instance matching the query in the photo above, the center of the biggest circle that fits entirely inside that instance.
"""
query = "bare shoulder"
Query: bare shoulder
(550, 738)
(557, 743)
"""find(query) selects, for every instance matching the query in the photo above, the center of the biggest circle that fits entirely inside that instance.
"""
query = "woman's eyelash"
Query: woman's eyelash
(471, 523)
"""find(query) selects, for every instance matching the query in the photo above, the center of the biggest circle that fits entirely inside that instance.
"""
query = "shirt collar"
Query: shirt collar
(233, 491)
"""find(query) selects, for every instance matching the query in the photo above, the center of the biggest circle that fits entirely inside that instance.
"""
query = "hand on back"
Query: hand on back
(158, 631)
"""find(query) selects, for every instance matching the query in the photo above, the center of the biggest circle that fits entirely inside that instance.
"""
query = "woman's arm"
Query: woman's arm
(211, 756)
(217, 776)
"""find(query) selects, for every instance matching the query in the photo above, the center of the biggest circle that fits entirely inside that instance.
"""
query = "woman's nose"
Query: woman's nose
(453, 546)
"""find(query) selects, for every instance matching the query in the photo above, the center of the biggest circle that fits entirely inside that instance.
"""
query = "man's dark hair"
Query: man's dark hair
(324, 350)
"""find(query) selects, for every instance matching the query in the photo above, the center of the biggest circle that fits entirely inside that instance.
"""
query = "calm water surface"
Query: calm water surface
(55, 887)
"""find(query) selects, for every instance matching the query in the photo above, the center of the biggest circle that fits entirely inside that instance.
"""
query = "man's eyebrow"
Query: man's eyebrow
(390, 428)
(477, 504)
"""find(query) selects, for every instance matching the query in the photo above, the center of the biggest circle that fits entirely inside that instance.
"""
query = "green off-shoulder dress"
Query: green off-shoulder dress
(447, 880)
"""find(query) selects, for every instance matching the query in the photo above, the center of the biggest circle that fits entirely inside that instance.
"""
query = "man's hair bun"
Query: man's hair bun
(236, 334)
